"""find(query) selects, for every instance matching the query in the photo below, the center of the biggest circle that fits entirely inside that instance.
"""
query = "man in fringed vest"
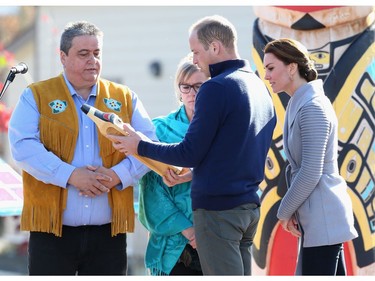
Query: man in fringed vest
(78, 194)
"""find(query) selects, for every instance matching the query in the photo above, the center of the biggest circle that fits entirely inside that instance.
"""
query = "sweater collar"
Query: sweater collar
(220, 67)
(304, 94)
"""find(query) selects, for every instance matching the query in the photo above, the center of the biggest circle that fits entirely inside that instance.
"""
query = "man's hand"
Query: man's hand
(88, 182)
(126, 144)
(109, 172)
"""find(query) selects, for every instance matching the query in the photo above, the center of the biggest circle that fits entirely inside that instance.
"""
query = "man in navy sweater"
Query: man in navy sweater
(226, 145)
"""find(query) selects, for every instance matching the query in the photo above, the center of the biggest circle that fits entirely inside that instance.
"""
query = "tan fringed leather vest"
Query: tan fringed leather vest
(44, 203)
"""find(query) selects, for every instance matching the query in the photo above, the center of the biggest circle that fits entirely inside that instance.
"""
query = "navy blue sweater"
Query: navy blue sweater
(228, 139)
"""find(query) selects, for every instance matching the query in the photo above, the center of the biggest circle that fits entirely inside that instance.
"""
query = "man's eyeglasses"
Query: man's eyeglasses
(186, 88)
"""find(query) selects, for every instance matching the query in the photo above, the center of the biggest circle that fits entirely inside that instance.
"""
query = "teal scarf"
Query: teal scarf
(165, 211)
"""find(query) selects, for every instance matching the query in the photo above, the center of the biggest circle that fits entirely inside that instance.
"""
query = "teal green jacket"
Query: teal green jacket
(165, 211)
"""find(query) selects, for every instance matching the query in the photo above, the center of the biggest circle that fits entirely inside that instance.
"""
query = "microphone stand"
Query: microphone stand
(9, 80)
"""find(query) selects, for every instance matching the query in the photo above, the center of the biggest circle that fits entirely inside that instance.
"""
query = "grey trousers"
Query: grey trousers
(224, 239)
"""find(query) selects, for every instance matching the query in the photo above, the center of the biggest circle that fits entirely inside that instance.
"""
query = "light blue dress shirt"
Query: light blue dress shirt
(31, 156)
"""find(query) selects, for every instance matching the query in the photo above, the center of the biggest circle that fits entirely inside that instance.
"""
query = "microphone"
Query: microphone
(20, 68)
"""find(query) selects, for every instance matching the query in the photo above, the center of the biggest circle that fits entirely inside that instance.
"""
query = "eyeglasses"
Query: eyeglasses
(186, 88)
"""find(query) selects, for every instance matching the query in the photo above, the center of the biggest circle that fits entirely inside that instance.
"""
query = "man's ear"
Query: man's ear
(215, 46)
(62, 58)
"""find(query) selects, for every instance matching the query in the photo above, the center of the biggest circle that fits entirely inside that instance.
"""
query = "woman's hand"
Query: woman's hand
(189, 233)
(171, 178)
(291, 226)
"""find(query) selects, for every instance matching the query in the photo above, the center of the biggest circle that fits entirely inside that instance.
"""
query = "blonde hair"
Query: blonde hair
(185, 69)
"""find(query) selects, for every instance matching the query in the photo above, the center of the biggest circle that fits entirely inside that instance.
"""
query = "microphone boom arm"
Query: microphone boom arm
(20, 68)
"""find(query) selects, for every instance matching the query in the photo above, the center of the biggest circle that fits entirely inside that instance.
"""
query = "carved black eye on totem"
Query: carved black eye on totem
(351, 166)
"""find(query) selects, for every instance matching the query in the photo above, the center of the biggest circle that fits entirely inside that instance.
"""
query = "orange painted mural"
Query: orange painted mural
(340, 40)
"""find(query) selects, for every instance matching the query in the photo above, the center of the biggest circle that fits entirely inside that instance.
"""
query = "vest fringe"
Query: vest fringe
(122, 221)
(123, 215)
(50, 222)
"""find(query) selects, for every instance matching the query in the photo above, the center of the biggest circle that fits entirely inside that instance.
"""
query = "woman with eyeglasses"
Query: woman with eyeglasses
(165, 204)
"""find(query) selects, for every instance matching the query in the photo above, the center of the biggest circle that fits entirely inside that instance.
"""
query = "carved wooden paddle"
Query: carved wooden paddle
(108, 123)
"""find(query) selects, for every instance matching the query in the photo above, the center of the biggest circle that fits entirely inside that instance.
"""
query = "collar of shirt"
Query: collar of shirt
(74, 92)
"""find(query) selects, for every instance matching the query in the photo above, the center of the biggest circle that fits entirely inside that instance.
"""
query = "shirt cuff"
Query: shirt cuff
(124, 175)
(63, 175)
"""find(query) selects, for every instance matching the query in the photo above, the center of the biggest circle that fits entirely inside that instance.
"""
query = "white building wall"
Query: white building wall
(134, 37)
